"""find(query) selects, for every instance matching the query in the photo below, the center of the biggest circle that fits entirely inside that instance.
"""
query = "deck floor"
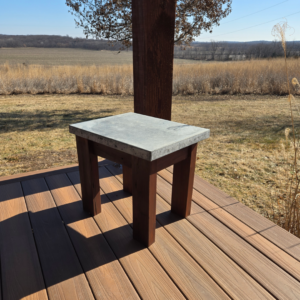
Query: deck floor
(51, 249)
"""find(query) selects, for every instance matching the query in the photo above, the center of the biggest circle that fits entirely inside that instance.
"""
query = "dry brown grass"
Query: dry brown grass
(240, 77)
(35, 79)
(243, 156)
(287, 206)
(247, 77)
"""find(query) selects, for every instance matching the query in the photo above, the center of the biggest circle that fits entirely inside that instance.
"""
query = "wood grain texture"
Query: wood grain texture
(127, 175)
(281, 258)
(103, 270)
(62, 271)
(169, 159)
(153, 25)
(148, 277)
(144, 201)
(88, 170)
(110, 153)
(183, 179)
(268, 274)
(187, 274)
(21, 274)
(275, 234)
(233, 279)
(0, 281)
(212, 238)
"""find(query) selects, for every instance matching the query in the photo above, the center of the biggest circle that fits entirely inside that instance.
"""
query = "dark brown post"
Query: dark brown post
(183, 181)
(127, 179)
(143, 201)
(89, 177)
(153, 23)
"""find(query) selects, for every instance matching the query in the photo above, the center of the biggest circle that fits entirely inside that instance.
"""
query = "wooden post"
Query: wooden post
(89, 177)
(153, 23)
(183, 181)
(143, 201)
(127, 179)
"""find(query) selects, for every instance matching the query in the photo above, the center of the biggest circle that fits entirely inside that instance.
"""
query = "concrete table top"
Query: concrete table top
(142, 136)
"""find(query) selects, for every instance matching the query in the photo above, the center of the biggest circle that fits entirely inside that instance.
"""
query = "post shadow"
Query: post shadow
(85, 248)
(58, 266)
(96, 247)
(99, 247)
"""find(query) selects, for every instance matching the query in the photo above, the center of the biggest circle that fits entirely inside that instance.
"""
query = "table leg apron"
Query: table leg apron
(139, 179)
(143, 145)
(89, 177)
(183, 179)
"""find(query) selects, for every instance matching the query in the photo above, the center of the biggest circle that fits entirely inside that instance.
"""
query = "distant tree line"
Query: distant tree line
(223, 51)
(55, 41)
(213, 50)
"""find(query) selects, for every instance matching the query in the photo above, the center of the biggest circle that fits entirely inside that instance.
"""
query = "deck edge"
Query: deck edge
(45, 172)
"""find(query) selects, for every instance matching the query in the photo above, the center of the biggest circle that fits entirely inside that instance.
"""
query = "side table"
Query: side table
(143, 145)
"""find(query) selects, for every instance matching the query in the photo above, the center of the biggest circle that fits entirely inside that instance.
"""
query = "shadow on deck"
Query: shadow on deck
(51, 249)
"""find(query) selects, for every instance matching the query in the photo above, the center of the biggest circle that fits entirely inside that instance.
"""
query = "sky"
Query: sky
(250, 20)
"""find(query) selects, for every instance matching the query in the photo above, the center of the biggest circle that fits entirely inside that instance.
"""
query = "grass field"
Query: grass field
(74, 71)
(68, 56)
(248, 156)
(243, 156)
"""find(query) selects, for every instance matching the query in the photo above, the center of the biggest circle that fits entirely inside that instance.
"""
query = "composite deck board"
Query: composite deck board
(192, 280)
(265, 227)
(21, 275)
(234, 280)
(46, 172)
(263, 270)
(281, 258)
(102, 268)
(269, 275)
(148, 277)
(62, 271)
(223, 248)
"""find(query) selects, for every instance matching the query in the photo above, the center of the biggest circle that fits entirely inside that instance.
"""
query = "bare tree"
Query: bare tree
(112, 19)
(214, 45)
(152, 27)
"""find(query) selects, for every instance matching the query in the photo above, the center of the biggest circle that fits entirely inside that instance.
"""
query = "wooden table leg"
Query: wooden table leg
(89, 177)
(183, 180)
(144, 201)
(127, 179)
